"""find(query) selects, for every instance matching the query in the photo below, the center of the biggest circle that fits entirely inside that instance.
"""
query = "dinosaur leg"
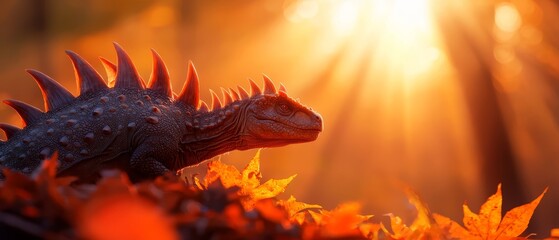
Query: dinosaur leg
(144, 166)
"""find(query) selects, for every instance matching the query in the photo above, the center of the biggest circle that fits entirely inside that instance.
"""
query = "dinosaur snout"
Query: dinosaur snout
(317, 119)
(308, 120)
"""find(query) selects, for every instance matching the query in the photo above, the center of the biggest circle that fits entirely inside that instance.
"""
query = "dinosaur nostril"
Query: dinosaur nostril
(317, 118)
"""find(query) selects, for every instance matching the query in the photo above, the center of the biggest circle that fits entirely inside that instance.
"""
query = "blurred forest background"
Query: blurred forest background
(449, 97)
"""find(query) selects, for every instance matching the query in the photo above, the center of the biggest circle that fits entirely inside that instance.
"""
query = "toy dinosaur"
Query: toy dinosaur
(146, 131)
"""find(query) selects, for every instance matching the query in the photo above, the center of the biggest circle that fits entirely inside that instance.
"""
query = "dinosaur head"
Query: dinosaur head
(243, 120)
(274, 119)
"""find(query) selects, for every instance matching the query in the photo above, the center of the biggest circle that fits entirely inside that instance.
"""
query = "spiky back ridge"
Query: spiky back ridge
(126, 77)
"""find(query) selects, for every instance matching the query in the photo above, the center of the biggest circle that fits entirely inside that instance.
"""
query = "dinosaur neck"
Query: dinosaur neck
(214, 133)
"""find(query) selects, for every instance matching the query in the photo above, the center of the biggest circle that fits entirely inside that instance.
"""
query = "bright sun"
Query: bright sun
(402, 30)
(399, 15)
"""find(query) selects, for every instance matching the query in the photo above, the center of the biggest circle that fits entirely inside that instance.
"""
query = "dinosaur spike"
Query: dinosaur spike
(254, 89)
(226, 97)
(54, 94)
(190, 93)
(203, 107)
(283, 94)
(216, 104)
(126, 75)
(243, 93)
(282, 88)
(110, 69)
(28, 113)
(268, 85)
(234, 94)
(10, 130)
(159, 79)
(88, 79)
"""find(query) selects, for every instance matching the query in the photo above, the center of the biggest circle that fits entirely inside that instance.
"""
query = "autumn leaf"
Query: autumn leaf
(297, 210)
(488, 223)
(398, 227)
(251, 173)
(452, 228)
(422, 221)
(270, 211)
(228, 174)
(517, 219)
(247, 180)
(271, 188)
(421, 227)
(370, 230)
(343, 221)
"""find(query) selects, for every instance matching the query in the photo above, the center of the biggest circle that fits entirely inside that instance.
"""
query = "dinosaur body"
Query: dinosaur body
(147, 131)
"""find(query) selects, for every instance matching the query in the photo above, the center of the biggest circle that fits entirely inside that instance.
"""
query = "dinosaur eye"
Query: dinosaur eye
(284, 109)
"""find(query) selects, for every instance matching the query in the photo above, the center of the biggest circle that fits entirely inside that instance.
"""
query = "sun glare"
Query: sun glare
(410, 15)
(345, 15)
(399, 33)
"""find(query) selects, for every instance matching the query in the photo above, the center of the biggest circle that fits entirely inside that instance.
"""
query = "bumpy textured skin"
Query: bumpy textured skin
(147, 131)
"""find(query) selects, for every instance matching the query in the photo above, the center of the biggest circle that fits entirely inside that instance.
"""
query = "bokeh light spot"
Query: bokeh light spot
(507, 17)
(297, 11)
(503, 55)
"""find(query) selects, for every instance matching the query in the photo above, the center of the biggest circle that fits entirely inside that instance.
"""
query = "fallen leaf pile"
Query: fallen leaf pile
(226, 204)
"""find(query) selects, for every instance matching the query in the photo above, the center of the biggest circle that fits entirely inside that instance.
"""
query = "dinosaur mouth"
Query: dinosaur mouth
(313, 129)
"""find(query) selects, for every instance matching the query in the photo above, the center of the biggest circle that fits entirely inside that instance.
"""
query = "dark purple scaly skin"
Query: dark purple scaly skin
(147, 131)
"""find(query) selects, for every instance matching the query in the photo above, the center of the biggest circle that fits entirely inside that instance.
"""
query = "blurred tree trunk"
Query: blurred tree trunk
(466, 31)
(39, 30)
(186, 27)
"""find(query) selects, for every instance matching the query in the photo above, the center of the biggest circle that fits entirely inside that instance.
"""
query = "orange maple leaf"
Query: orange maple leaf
(297, 210)
(421, 227)
(247, 180)
(399, 229)
(343, 221)
(422, 221)
(488, 223)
